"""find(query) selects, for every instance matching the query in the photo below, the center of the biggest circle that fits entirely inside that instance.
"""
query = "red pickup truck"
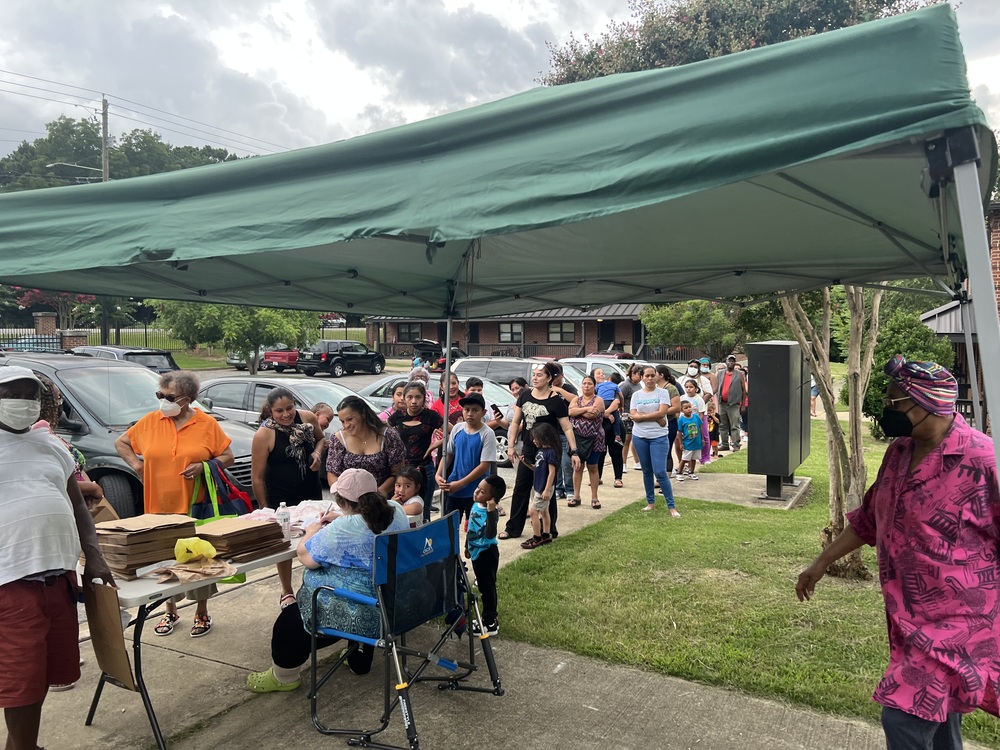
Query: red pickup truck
(280, 360)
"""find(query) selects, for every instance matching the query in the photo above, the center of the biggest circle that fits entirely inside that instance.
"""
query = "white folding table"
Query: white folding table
(147, 595)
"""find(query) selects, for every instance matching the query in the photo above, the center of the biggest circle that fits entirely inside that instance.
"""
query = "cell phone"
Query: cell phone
(496, 410)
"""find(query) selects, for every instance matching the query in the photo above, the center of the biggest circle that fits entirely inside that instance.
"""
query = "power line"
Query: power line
(182, 125)
(45, 98)
(190, 135)
(144, 106)
(50, 91)
(22, 130)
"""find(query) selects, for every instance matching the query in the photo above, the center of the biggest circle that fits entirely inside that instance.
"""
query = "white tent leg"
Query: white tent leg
(984, 300)
(970, 356)
(446, 384)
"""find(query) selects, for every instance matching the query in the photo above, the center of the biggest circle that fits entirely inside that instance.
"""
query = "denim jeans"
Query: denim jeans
(904, 731)
(652, 454)
(564, 477)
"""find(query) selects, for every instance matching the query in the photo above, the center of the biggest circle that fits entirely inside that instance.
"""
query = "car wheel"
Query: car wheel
(377, 367)
(118, 491)
(310, 372)
(503, 461)
(337, 369)
(279, 368)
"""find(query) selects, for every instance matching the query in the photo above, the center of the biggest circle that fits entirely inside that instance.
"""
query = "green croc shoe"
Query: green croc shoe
(266, 682)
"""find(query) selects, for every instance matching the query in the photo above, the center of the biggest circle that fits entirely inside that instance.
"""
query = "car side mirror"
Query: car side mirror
(70, 425)
(206, 402)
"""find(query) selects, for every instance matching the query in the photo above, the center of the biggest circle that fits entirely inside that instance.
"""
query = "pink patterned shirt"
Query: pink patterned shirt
(936, 535)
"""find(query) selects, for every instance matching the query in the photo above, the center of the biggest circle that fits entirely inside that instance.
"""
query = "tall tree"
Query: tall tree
(676, 32)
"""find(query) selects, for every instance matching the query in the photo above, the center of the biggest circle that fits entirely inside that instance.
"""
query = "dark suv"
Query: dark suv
(157, 360)
(340, 357)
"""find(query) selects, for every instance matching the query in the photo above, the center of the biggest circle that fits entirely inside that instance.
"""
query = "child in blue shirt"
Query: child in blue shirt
(547, 459)
(481, 547)
(472, 450)
(689, 429)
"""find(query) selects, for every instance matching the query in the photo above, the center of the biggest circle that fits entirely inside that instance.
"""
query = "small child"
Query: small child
(689, 428)
(693, 391)
(547, 459)
(408, 489)
(713, 428)
(472, 450)
(481, 547)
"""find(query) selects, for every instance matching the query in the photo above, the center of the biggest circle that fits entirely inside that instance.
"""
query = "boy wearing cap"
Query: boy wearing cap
(44, 524)
(472, 449)
(931, 514)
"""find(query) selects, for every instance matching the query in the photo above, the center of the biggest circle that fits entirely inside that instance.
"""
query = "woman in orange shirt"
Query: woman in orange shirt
(166, 448)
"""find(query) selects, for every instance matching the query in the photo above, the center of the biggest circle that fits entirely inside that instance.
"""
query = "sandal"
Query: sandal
(166, 625)
(266, 682)
(286, 600)
(619, 484)
(505, 535)
(573, 502)
(595, 504)
(202, 626)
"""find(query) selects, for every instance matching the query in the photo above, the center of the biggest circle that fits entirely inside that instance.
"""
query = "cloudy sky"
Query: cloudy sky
(258, 76)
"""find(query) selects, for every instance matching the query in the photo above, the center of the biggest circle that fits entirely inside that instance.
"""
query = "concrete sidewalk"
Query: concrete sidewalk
(553, 698)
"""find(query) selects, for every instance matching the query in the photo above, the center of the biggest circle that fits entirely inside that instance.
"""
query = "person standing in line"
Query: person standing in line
(564, 478)
(931, 514)
(665, 380)
(732, 386)
(471, 451)
(709, 385)
(482, 549)
(649, 434)
(611, 396)
(586, 414)
(813, 395)
(540, 403)
(547, 445)
(628, 387)
(44, 525)
(689, 427)
(417, 425)
(397, 402)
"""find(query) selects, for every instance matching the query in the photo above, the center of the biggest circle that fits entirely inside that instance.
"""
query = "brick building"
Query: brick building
(562, 332)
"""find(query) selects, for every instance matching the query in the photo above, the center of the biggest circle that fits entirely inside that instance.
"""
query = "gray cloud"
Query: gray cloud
(428, 55)
(132, 51)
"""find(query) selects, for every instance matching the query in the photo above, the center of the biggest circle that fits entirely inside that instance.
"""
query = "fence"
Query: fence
(669, 353)
(404, 350)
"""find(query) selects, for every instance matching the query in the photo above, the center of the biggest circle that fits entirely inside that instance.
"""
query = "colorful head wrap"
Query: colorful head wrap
(929, 384)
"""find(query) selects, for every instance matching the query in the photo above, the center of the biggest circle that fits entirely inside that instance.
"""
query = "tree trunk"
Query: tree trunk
(844, 464)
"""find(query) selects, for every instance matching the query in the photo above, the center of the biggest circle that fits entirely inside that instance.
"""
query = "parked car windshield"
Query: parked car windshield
(149, 359)
(315, 391)
(116, 396)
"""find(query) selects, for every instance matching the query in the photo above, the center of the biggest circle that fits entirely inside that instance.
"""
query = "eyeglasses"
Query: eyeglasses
(171, 397)
(888, 402)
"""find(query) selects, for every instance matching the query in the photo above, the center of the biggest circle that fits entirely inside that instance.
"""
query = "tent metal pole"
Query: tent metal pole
(970, 356)
(984, 300)
(446, 383)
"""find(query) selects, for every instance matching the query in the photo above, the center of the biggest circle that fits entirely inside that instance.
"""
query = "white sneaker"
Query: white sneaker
(679, 478)
(693, 476)
(624, 470)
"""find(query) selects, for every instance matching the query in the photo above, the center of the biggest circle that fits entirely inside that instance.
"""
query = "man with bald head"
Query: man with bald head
(44, 525)
(932, 516)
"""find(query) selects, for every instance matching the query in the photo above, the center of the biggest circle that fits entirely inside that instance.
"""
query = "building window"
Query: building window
(409, 331)
(562, 333)
(511, 333)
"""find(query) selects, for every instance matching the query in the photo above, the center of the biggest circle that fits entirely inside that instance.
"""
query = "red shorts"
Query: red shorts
(39, 639)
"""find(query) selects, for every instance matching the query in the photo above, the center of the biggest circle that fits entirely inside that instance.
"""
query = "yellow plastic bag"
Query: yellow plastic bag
(193, 548)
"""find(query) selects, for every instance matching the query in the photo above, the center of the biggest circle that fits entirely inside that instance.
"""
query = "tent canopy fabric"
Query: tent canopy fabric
(785, 168)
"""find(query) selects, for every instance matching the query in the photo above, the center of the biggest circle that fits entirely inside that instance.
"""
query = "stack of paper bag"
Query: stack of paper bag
(132, 543)
(242, 540)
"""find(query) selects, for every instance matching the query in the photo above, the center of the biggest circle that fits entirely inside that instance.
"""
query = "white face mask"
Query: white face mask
(704, 368)
(692, 371)
(169, 408)
(19, 413)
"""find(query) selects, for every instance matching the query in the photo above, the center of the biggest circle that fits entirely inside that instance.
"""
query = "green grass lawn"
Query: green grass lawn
(189, 360)
(710, 598)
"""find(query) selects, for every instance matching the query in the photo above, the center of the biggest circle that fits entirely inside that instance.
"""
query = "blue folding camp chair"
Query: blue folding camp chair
(418, 576)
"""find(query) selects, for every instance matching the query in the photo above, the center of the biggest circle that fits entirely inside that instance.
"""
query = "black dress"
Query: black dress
(283, 479)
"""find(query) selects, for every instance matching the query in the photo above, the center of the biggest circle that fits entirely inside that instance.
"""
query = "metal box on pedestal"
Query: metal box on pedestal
(778, 422)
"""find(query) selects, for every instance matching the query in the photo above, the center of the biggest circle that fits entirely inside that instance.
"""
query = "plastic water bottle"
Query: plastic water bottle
(284, 517)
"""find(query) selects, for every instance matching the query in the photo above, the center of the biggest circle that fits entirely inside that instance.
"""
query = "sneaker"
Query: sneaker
(561, 496)
(674, 474)
(624, 470)
(679, 478)
(546, 538)
(693, 477)
(487, 628)
(535, 541)
(675, 513)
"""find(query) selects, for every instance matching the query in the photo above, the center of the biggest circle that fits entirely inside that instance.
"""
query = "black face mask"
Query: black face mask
(895, 423)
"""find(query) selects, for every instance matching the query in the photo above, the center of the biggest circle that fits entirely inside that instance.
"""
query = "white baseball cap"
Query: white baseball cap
(10, 373)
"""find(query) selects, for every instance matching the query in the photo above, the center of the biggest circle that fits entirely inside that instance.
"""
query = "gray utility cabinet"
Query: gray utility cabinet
(778, 418)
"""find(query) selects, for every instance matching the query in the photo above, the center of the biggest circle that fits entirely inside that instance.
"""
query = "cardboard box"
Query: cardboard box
(103, 512)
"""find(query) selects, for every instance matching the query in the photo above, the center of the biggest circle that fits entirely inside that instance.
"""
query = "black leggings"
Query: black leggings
(519, 499)
(485, 567)
(290, 644)
(613, 448)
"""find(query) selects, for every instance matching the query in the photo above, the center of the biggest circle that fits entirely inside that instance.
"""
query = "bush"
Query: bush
(903, 333)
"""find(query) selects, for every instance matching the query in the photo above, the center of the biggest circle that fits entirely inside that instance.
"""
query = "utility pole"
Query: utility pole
(105, 176)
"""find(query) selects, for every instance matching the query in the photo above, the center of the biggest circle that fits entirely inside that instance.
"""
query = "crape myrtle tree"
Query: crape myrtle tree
(661, 34)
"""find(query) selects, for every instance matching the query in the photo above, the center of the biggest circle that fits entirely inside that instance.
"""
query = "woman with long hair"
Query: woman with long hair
(665, 379)
(417, 425)
(337, 551)
(586, 414)
(539, 404)
(285, 463)
(630, 385)
(650, 436)
(364, 442)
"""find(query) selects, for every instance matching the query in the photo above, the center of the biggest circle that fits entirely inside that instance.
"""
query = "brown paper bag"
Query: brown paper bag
(104, 619)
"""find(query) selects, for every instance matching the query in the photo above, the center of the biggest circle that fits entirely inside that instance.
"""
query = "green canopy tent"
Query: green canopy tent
(842, 157)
